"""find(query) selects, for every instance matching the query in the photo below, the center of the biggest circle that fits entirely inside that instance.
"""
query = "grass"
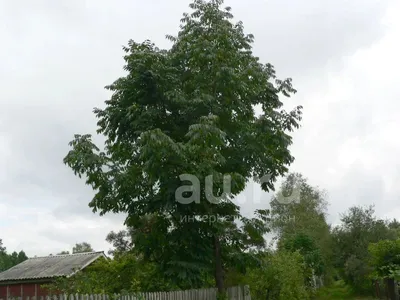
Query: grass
(337, 291)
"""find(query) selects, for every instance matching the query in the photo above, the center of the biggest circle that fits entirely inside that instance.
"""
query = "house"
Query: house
(25, 279)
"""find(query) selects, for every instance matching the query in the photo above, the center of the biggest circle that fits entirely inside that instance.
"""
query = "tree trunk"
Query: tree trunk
(392, 289)
(219, 272)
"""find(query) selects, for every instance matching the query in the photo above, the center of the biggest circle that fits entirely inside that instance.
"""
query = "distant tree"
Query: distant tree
(4, 261)
(306, 213)
(394, 226)
(9, 260)
(301, 224)
(82, 248)
(63, 253)
(2, 248)
(121, 241)
(13, 257)
(359, 227)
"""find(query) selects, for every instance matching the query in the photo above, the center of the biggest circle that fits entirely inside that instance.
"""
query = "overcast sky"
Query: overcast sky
(56, 57)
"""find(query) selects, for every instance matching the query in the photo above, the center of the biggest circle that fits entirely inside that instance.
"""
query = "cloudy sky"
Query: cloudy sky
(56, 57)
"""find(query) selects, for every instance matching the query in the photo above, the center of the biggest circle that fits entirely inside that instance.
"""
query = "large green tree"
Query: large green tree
(190, 110)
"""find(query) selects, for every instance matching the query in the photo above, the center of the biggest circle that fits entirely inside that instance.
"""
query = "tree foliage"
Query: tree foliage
(8, 260)
(301, 224)
(122, 241)
(305, 214)
(281, 275)
(82, 248)
(189, 110)
(359, 227)
(123, 274)
(385, 258)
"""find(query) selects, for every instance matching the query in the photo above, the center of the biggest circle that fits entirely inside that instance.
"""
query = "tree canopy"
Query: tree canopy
(82, 248)
(78, 248)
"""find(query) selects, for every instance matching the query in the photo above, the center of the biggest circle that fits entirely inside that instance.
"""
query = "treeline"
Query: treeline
(305, 254)
(8, 260)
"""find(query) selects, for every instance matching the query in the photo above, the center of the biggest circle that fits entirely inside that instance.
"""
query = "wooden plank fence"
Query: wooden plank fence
(233, 293)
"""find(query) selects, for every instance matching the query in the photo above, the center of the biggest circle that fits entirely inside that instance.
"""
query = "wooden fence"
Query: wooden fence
(233, 293)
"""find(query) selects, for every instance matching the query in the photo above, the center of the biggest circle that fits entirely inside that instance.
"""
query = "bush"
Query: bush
(358, 275)
(282, 276)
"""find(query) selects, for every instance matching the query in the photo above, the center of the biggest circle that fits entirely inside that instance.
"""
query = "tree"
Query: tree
(385, 260)
(82, 248)
(121, 241)
(305, 214)
(394, 226)
(2, 249)
(190, 110)
(4, 261)
(9, 260)
(78, 248)
(21, 257)
(309, 248)
(359, 227)
(301, 224)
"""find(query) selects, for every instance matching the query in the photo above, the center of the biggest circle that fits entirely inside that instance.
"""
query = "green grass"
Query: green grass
(337, 291)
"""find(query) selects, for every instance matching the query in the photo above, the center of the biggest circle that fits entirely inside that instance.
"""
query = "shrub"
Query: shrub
(281, 276)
